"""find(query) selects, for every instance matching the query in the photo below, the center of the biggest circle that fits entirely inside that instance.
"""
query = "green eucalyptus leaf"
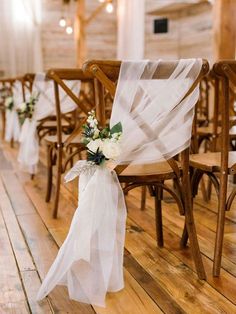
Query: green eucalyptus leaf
(116, 128)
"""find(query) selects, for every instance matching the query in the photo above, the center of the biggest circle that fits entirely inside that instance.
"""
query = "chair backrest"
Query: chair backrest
(202, 108)
(225, 71)
(84, 101)
(27, 84)
(106, 75)
(6, 87)
(207, 118)
(12, 87)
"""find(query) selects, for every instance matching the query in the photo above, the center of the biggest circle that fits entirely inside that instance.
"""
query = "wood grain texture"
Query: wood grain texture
(12, 296)
(224, 29)
(190, 34)
(156, 280)
(59, 49)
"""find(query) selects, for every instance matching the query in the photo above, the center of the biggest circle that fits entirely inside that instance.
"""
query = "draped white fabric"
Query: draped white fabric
(20, 34)
(131, 15)
(12, 130)
(157, 123)
(45, 106)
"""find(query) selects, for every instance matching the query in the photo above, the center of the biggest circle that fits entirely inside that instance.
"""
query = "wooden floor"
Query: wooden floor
(156, 280)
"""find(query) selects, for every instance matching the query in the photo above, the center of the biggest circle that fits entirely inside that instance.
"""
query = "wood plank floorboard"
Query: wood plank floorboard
(156, 280)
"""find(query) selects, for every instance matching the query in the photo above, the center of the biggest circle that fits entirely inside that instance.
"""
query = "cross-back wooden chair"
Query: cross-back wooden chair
(47, 125)
(209, 131)
(203, 122)
(153, 175)
(206, 128)
(218, 165)
(62, 148)
(202, 108)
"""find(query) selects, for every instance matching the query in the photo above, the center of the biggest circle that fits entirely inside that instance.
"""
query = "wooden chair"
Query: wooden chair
(205, 124)
(202, 108)
(62, 148)
(153, 175)
(218, 165)
(47, 125)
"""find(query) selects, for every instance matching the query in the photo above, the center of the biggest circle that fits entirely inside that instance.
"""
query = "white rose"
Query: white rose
(94, 145)
(22, 106)
(96, 133)
(111, 150)
(8, 101)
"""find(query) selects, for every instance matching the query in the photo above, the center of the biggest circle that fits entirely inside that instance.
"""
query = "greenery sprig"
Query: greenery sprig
(26, 109)
(102, 144)
(9, 103)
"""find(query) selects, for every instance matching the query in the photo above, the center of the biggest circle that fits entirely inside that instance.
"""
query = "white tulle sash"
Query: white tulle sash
(90, 262)
(12, 130)
(44, 107)
(29, 147)
(156, 118)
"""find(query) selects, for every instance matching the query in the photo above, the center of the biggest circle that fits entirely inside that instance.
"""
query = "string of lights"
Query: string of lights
(65, 21)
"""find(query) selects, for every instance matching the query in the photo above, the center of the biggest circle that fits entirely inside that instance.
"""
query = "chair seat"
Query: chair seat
(52, 140)
(148, 172)
(232, 131)
(201, 120)
(208, 130)
(50, 124)
(210, 162)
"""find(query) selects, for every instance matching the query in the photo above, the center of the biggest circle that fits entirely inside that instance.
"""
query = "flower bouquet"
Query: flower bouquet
(101, 144)
(9, 103)
(26, 109)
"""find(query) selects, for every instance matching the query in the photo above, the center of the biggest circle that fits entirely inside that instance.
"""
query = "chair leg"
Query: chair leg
(143, 197)
(3, 125)
(194, 243)
(196, 178)
(192, 234)
(58, 181)
(209, 189)
(184, 238)
(158, 213)
(219, 242)
(220, 225)
(49, 172)
(204, 190)
(71, 160)
(189, 218)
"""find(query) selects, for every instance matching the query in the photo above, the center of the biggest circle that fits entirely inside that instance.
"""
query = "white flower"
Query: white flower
(94, 145)
(96, 134)
(91, 120)
(22, 106)
(8, 101)
(92, 123)
(111, 150)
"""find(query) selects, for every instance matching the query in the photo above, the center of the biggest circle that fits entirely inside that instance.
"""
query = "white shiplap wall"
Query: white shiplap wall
(59, 48)
(190, 35)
